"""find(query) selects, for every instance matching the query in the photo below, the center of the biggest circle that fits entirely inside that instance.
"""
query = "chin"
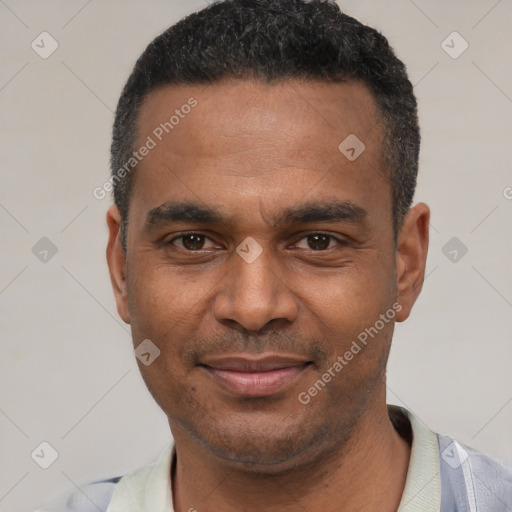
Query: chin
(268, 449)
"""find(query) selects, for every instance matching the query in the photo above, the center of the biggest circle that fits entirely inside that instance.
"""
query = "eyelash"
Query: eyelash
(339, 241)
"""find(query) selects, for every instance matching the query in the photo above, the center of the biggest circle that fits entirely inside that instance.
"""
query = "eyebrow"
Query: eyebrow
(330, 211)
(310, 212)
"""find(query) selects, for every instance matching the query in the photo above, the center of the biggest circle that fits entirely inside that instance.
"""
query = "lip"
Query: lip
(264, 376)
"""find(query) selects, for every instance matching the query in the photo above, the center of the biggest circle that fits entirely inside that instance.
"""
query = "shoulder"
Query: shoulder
(472, 478)
(152, 478)
(87, 498)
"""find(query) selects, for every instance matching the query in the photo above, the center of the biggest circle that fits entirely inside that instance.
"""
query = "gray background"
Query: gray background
(67, 372)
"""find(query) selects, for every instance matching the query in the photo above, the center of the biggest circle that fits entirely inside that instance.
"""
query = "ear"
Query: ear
(411, 257)
(116, 260)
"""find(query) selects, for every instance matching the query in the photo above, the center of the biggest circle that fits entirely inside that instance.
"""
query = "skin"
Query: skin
(252, 150)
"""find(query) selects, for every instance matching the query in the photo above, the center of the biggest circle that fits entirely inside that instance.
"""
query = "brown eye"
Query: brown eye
(191, 242)
(319, 242)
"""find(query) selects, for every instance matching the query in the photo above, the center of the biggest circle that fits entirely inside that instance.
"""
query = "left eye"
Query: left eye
(319, 241)
(191, 241)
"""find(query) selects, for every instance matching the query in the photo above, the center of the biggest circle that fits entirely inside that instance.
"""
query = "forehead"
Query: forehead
(239, 108)
(240, 139)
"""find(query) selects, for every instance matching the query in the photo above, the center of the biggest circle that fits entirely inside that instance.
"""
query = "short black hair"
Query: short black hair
(275, 40)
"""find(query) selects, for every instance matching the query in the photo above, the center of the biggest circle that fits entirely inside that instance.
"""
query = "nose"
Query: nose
(254, 294)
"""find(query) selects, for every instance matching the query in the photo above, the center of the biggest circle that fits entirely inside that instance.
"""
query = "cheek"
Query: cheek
(164, 310)
(160, 304)
(346, 316)
(352, 296)
(154, 281)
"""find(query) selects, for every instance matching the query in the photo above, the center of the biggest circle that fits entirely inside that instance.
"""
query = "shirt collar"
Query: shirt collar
(422, 491)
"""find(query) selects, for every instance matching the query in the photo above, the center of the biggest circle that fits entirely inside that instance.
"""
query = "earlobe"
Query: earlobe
(411, 257)
(116, 260)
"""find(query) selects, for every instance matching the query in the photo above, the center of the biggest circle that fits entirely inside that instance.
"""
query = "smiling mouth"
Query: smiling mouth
(255, 378)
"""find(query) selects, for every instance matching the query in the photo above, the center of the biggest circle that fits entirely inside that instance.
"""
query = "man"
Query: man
(262, 245)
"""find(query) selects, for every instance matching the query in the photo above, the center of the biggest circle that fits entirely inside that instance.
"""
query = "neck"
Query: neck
(367, 472)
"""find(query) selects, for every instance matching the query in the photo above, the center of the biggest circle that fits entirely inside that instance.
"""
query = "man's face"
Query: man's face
(245, 334)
